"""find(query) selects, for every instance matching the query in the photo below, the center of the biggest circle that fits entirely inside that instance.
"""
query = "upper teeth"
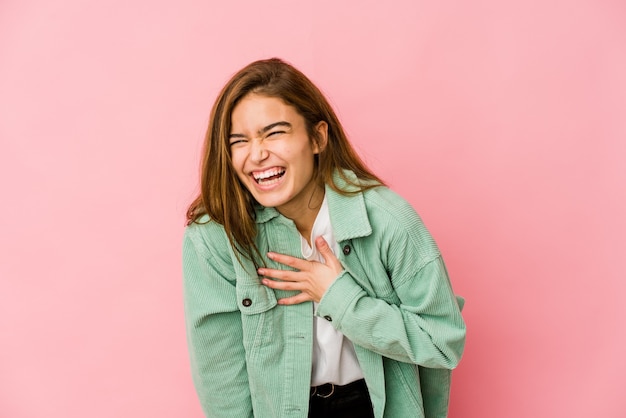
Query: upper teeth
(268, 173)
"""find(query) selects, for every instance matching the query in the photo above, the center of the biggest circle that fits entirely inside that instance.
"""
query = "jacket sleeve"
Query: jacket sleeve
(421, 323)
(214, 330)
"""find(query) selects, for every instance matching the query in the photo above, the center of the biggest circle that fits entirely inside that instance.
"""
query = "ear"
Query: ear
(322, 137)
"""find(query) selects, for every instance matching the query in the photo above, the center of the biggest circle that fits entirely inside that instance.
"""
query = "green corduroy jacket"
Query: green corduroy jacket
(252, 357)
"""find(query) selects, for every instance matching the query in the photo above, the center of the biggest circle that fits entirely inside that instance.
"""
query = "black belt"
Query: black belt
(328, 390)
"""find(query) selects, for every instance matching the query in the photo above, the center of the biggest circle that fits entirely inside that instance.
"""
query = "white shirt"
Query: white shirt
(334, 359)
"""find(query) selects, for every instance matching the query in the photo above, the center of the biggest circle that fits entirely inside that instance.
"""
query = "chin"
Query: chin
(270, 203)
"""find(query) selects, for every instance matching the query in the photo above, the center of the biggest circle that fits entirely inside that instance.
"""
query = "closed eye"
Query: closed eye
(275, 133)
(237, 141)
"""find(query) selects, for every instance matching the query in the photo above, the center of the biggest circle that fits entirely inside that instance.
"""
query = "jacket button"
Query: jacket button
(328, 318)
(246, 302)
(346, 249)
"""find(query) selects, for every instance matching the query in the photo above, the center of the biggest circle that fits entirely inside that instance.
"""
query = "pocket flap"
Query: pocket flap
(254, 298)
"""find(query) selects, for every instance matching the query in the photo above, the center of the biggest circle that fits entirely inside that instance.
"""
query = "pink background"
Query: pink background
(504, 123)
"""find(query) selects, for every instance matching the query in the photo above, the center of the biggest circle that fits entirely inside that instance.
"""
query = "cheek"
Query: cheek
(302, 155)
(237, 160)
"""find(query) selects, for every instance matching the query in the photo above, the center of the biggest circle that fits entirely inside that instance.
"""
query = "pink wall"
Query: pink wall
(504, 123)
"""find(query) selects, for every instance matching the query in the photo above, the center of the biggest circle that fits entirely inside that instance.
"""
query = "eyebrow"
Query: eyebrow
(264, 129)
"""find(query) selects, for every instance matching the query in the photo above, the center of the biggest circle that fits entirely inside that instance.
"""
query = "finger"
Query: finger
(294, 300)
(278, 274)
(288, 260)
(273, 284)
(327, 252)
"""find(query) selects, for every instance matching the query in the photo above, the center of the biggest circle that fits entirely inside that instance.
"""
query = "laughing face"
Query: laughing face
(273, 154)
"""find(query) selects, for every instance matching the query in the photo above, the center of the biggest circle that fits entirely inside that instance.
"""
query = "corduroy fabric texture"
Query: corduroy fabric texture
(252, 357)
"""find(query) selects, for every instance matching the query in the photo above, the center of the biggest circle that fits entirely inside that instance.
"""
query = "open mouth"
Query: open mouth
(268, 177)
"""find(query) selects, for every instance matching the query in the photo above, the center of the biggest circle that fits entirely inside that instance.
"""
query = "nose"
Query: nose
(258, 152)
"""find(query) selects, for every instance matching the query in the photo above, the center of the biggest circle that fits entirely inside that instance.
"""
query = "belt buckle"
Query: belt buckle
(324, 396)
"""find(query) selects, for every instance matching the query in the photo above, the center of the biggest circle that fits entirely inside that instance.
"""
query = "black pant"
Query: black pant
(348, 401)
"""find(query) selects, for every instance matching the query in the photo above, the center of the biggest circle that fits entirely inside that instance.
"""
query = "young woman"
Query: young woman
(311, 289)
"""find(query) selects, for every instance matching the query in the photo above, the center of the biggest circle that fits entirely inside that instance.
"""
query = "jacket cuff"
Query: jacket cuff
(341, 294)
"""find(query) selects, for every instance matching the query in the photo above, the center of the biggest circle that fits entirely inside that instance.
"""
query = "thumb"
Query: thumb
(326, 252)
(322, 246)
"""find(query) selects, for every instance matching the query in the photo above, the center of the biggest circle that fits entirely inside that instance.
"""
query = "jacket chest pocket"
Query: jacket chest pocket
(369, 271)
(256, 304)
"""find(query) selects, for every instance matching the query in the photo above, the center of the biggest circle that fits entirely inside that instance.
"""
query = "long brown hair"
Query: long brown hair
(222, 196)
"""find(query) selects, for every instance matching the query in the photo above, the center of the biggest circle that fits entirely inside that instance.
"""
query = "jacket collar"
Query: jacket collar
(348, 214)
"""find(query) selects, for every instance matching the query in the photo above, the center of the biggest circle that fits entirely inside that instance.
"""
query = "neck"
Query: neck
(303, 214)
